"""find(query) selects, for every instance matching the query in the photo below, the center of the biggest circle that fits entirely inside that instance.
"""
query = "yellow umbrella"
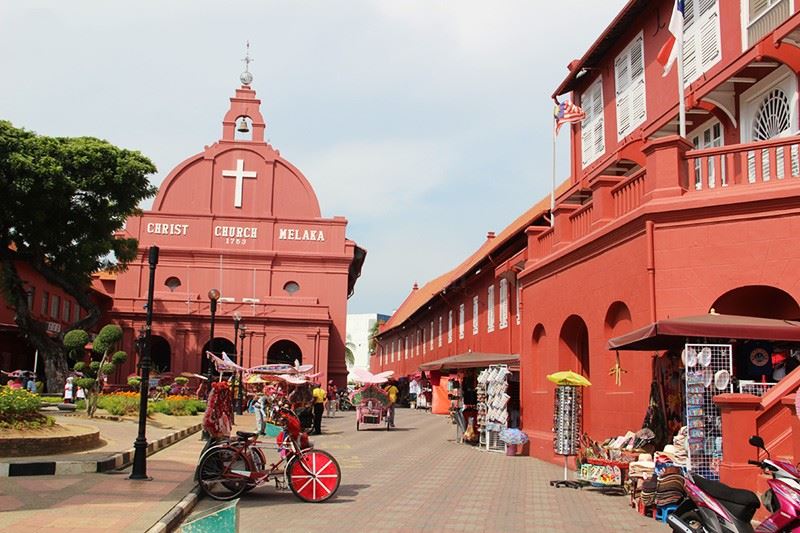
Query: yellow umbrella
(568, 377)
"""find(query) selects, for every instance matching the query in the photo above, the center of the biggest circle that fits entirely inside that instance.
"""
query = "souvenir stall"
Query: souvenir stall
(567, 419)
(482, 393)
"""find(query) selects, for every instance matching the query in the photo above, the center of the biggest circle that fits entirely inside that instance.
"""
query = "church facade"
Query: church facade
(239, 218)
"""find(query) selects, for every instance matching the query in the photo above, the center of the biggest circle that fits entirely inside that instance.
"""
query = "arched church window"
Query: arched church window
(172, 283)
(291, 287)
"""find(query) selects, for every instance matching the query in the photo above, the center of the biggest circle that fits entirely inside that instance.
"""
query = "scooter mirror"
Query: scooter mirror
(757, 441)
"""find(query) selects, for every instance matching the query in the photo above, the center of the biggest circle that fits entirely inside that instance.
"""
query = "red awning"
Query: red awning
(472, 360)
(672, 332)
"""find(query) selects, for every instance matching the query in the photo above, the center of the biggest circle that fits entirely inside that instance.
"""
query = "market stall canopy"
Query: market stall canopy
(472, 360)
(568, 377)
(362, 375)
(672, 332)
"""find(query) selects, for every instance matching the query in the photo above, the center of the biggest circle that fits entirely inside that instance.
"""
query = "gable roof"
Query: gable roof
(419, 297)
(610, 37)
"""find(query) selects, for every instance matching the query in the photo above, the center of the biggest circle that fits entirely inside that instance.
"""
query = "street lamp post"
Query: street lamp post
(139, 470)
(237, 319)
(213, 296)
(240, 400)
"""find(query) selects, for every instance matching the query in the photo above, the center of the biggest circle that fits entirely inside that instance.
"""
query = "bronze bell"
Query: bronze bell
(243, 127)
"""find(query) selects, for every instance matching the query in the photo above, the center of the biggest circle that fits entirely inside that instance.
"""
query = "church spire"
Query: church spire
(244, 106)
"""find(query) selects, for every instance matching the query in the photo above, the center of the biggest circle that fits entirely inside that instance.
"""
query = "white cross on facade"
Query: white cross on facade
(239, 174)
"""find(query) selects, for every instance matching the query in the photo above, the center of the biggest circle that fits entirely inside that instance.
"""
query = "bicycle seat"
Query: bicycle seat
(742, 504)
(245, 435)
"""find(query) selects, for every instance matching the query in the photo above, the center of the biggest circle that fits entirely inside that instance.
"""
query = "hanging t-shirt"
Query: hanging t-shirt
(755, 360)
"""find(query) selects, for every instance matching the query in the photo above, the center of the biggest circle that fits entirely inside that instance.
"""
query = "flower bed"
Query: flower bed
(127, 403)
(19, 409)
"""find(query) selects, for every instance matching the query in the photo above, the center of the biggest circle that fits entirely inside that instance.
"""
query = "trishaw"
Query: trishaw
(230, 465)
(370, 401)
(372, 406)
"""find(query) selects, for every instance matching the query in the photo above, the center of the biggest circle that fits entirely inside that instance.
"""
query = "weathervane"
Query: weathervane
(246, 78)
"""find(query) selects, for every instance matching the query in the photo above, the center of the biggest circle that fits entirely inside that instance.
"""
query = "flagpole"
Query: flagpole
(681, 96)
(553, 189)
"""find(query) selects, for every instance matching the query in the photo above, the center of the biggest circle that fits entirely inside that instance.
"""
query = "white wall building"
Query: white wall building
(358, 328)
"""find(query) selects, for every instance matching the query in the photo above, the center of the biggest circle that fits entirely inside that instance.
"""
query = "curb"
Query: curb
(170, 521)
(115, 462)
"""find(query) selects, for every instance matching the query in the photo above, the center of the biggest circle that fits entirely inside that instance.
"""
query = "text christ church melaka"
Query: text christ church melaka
(239, 218)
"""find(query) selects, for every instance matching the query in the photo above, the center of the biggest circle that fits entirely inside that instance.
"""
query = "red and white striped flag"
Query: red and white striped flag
(567, 112)
(669, 52)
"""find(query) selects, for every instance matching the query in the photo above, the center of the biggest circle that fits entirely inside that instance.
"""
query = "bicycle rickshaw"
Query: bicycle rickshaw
(231, 466)
(370, 401)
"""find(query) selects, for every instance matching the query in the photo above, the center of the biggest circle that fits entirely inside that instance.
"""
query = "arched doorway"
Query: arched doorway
(760, 301)
(160, 354)
(220, 344)
(285, 352)
(573, 349)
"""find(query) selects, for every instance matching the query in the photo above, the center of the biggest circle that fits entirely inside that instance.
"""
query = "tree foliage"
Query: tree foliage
(94, 373)
(64, 200)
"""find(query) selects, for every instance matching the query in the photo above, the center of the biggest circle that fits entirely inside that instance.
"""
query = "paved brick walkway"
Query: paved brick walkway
(416, 478)
(94, 503)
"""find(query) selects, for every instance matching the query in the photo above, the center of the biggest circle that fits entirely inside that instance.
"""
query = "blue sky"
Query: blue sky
(425, 123)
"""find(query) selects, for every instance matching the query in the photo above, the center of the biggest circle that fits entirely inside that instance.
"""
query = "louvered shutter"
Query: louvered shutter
(630, 90)
(701, 38)
(592, 138)
(757, 7)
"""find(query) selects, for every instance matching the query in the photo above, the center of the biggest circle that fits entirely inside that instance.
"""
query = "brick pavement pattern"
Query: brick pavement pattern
(417, 478)
(94, 503)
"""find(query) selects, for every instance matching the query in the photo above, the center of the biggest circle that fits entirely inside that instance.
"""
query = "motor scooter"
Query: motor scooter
(782, 470)
(714, 507)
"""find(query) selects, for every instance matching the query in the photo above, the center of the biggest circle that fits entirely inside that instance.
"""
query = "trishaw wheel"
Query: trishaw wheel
(320, 478)
(216, 477)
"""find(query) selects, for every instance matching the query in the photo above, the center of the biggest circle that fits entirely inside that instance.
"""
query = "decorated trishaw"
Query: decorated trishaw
(232, 465)
(371, 401)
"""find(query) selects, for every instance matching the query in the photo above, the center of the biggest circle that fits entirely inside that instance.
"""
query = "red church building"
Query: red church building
(651, 225)
(239, 218)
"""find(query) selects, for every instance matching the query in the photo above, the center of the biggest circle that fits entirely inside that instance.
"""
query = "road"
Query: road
(417, 478)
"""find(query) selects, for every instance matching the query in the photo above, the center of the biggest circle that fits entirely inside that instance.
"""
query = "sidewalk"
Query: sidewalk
(108, 502)
(117, 436)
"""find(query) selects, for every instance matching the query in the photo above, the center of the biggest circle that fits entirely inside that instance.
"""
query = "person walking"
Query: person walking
(333, 397)
(319, 406)
(391, 391)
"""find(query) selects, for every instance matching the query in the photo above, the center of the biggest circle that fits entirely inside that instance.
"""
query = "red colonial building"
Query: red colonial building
(239, 218)
(651, 225)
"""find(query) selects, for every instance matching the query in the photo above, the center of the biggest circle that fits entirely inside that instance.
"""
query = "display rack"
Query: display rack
(567, 414)
(709, 371)
(492, 406)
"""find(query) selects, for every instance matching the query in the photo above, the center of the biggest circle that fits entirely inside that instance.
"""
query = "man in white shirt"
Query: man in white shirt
(413, 391)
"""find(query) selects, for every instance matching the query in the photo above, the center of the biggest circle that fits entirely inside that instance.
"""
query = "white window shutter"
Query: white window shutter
(503, 303)
(461, 317)
(709, 40)
(630, 89)
(592, 137)
(475, 315)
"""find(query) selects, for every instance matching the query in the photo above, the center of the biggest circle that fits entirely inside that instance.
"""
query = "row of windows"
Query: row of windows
(53, 307)
(701, 50)
(400, 348)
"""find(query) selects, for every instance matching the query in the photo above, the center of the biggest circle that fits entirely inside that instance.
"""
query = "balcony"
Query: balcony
(768, 20)
(744, 164)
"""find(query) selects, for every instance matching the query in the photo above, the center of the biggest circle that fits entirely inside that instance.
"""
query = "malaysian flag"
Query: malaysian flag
(669, 52)
(566, 113)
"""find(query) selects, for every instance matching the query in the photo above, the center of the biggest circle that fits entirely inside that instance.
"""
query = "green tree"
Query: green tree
(349, 356)
(64, 200)
(373, 333)
(95, 372)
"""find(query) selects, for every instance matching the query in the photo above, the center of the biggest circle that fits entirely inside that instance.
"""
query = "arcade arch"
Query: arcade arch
(761, 301)
(160, 354)
(220, 344)
(284, 351)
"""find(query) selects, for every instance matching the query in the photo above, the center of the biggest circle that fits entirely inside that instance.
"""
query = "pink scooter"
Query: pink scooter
(714, 507)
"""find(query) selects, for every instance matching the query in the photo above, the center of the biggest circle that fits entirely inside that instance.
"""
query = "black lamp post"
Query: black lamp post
(240, 400)
(237, 319)
(139, 470)
(213, 296)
